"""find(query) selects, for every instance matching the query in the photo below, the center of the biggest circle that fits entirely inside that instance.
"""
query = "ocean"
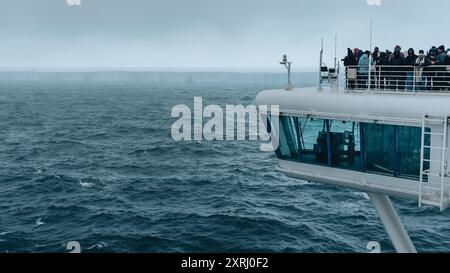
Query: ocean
(93, 161)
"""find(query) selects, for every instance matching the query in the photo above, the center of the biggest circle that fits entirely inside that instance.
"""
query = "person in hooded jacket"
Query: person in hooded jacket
(441, 70)
(356, 52)
(441, 55)
(382, 62)
(430, 71)
(350, 59)
(409, 63)
(376, 54)
(396, 73)
(411, 59)
(376, 69)
(421, 64)
(363, 70)
(447, 69)
(350, 63)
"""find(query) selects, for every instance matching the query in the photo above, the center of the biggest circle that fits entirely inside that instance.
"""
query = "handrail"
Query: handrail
(407, 78)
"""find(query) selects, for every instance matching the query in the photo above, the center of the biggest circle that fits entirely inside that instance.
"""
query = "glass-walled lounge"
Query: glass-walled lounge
(367, 147)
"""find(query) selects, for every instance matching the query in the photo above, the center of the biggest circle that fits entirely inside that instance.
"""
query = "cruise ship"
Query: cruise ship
(384, 134)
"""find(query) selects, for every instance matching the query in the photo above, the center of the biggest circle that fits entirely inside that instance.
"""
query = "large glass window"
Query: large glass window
(394, 150)
(313, 140)
(288, 147)
(366, 147)
(408, 151)
(345, 145)
(379, 148)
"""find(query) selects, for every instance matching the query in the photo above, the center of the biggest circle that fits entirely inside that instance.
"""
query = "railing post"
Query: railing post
(346, 79)
(379, 77)
(329, 155)
(414, 79)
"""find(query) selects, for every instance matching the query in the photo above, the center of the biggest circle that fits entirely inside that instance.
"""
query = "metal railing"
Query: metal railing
(433, 78)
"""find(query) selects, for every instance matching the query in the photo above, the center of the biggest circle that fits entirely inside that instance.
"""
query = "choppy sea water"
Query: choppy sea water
(95, 163)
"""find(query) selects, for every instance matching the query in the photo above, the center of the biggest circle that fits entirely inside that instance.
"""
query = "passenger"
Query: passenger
(350, 63)
(409, 63)
(363, 70)
(376, 54)
(433, 59)
(376, 70)
(382, 63)
(447, 68)
(441, 54)
(432, 52)
(431, 72)
(396, 74)
(356, 51)
(383, 59)
(350, 59)
(447, 59)
(360, 53)
(387, 73)
(441, 70)
(420, 76)
(411, 57)
(388, 53)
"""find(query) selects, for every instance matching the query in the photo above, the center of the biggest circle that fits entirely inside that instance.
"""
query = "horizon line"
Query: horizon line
(274, 69)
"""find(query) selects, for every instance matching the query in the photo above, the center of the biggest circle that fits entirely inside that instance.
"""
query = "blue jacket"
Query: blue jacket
(363, 64)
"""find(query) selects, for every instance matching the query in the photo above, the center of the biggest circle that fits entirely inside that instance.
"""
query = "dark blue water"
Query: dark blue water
(95, 163)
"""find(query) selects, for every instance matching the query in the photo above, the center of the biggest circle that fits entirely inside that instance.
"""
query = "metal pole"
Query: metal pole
(289, 72)
(370, 58)
(392, 224)
(335, 51)
(336, 63)
(320, 66)
(371, 34)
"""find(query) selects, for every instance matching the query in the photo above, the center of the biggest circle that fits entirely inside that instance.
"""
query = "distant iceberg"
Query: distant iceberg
(299, 78)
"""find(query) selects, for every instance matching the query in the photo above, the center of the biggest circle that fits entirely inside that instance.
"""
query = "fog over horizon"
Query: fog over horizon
(186, 35)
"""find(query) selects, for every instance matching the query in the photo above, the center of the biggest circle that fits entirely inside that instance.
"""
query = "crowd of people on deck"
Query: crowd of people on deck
(398, 70)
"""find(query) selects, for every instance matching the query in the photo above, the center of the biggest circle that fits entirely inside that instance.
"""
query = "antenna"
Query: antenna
(287, 64)
(320, 65)
(336, 63)
(335, 50)
(371, 33)
(369, 87)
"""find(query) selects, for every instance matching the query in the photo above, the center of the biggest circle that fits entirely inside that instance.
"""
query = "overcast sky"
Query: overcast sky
(207, 33)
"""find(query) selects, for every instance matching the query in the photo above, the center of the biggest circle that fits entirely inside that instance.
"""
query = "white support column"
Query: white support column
(391, 222)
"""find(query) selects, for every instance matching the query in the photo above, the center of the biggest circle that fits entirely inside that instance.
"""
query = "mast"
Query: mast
(335, 51)
(370, 58)
(320, 65)
(371, 34)
(336, 63)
